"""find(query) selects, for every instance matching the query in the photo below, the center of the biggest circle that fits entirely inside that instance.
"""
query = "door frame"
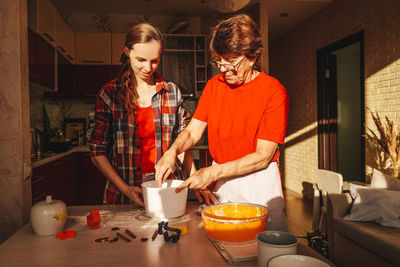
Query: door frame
(327, 127)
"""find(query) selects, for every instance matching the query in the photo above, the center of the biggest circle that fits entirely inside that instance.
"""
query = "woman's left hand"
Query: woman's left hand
(205, 195)
(199, 180)
(133, 193)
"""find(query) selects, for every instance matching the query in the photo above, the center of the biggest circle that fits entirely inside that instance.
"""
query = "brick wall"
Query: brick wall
(293, 62)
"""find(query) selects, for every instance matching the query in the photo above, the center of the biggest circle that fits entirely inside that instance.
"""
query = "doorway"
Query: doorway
(340, 94)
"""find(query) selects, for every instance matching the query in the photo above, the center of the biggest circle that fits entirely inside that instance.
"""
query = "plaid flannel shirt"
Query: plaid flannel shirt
(114, 132)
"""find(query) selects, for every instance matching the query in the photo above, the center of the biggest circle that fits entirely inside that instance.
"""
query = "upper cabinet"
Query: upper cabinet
(41, 60)
(93, 48)
(45, 19)
(117, 43)
(62, 36)
(72, 47)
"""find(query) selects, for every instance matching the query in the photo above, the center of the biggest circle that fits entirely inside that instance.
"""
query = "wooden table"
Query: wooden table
(25, 248)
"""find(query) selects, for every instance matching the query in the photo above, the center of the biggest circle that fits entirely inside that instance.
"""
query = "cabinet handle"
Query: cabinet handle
(48, 37)
(62, 49)
(92, 61)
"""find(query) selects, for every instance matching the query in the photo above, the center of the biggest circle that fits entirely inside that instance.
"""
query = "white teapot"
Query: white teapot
(48, 217)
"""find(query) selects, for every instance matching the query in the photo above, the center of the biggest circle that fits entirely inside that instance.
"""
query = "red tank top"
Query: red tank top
(147, 134)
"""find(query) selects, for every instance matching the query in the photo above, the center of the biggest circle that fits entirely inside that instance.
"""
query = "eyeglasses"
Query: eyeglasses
(227, 66)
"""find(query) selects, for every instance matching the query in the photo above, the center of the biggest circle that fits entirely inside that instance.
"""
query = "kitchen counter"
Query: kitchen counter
(40, 162)
(193, 249)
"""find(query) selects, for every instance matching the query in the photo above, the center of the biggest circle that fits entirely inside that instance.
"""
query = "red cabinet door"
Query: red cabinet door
(205, 158)
(41, 60)
(91, 181)
(91, 78)
(66, 77)
(39, 184)
(63, 179)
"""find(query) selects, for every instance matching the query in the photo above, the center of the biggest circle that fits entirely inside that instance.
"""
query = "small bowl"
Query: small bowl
(296, 261)
(234, 222)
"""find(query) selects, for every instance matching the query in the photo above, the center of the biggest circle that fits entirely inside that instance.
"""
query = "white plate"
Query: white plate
(296, 261)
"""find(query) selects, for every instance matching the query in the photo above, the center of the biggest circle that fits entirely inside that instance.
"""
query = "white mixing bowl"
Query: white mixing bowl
(163, 202)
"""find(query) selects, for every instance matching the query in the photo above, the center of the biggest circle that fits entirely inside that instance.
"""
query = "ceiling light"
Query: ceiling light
(226, 6)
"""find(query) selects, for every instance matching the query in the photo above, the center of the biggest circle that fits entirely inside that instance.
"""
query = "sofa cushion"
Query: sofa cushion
(375, 205)
(384, 181)
(381, 240)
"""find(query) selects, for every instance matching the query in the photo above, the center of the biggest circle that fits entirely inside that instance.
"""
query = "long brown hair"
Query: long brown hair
(140, 33)
(236, 36)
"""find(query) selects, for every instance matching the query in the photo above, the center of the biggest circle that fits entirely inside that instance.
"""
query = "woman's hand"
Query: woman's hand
(199, 180)
(164, 167)
(133, 193)
(205, 195)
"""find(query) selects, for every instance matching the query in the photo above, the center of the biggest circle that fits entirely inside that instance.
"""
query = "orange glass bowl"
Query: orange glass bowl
(234, 222)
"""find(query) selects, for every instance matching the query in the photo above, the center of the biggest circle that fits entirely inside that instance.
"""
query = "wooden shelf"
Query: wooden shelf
(184, 62)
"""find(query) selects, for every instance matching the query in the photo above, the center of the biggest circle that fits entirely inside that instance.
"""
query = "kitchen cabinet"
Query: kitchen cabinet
(117, 43)
(39, 183)
(93, 48)
(45, 19)
(58, 179)
(91, 78)
(66, 77)
(62, 35)
(41, 60)
(205, 158)
(72, 55)
(73, 179)
(80, 80)
(62, 179)
(91, 181)
(184, 61)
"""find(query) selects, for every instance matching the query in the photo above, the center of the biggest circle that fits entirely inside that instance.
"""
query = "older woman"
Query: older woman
(246, 113)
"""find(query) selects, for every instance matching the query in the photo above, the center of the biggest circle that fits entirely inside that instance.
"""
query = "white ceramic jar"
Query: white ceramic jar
(48, 217)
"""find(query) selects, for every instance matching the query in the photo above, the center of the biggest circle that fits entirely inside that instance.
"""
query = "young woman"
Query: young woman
(137, 117)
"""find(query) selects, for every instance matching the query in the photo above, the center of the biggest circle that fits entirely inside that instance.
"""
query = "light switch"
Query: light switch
(27, 170)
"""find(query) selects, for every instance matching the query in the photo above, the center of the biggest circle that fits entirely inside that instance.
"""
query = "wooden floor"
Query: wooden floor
(298, 214)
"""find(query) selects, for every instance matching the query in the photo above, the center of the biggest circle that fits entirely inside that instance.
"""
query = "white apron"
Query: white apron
(262, 187)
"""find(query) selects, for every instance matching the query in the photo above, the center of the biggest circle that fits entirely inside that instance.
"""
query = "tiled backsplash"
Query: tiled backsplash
(79, 108)
(76, 108)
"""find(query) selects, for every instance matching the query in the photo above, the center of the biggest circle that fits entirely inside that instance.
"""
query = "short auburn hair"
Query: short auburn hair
(236, 36)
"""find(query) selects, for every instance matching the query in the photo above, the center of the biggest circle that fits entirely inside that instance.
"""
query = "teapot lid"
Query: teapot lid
(49, 199)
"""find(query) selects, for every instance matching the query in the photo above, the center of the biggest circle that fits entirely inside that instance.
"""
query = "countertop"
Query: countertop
(193, 249)
(40, 162)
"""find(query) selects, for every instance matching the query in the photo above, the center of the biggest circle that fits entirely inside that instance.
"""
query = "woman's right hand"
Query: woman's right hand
(165, 167)
(133, 193)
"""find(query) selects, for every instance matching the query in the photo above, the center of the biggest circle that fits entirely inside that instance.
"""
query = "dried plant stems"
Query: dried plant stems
(387, 142)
